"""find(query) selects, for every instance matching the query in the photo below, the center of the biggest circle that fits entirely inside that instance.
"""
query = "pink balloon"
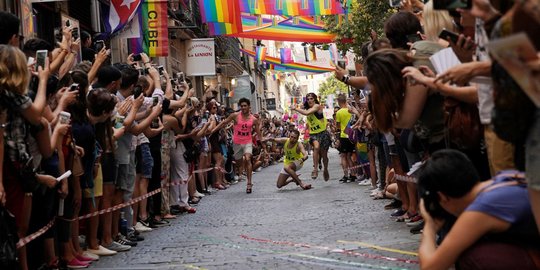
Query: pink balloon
(295, 116)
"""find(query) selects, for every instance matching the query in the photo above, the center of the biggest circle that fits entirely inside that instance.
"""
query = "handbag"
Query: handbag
(8, 240)
(463, 123)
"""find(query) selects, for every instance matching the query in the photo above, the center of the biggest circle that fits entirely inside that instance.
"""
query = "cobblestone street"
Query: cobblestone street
(332, 226)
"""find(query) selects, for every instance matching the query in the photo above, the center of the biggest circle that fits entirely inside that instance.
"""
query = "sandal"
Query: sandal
(306, 187)
(220, 187)
(314, 174)
(248, 188)
(326, 174)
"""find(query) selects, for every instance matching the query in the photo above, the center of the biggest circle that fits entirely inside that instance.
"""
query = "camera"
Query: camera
(68, 23)
(137, 57)
(74, 87)
(137, 91)
(181, 77)
(41, 58)
(100, 44)
(160, 69)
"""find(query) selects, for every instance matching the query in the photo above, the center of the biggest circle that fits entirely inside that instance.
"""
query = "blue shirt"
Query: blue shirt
(511, 204)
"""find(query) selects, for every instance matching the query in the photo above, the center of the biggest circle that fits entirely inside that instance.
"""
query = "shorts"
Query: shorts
(345, 146)
(125, 176)
(241, 149)
(323, 138)
(532, 154)
(109, 168)
(299, 163)
(144, 162)
(97, 191)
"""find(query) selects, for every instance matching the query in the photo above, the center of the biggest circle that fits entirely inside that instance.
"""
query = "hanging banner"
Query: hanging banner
(155, 32)
(200, 57)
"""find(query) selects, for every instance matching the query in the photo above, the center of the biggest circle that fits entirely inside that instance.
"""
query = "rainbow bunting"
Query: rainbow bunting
(292, 7)
(305, 31)
(291, 66)
(260, 54)
(155, 31)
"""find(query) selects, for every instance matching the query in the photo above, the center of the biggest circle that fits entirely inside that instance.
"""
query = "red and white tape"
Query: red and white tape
(24, 241)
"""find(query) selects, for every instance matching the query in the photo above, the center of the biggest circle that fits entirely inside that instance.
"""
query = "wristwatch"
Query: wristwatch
(346, 78)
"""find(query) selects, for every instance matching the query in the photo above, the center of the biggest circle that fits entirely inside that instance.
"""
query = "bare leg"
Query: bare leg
(136, 193)
(282, 180)
(218, 158)
(118, 199)
(143, 190)
(291, 170)
(324, 156)
(248, 167)
(106, 221)
(93, 223)
(316, 155)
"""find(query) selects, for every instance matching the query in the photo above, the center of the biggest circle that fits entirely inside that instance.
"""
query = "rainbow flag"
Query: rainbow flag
(221, 21)
(260, 54)
(293, 7)
(285, 55)
(154, 26)
(291, 66)
(305, 31)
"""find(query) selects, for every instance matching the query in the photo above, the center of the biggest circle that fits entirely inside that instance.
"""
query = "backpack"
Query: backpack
(463, 123)
(514, 112)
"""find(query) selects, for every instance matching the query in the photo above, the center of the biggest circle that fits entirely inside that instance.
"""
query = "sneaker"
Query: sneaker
(117, 247)
(91, 255)
(415, 221)
(101, 251)
(351, 179)
(84, 259)
(418, 228)
(361, 178)
(76, 264)
(344, 179)
(258, 169)
(393, 205)
(200, 195)
(134, 238)
(236, 178)
(121, 239)
(140, 227)
(374, 192)
(364, 182)
(399, 212)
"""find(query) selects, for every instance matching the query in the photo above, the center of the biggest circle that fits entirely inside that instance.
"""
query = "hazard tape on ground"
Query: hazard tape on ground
(24, 241)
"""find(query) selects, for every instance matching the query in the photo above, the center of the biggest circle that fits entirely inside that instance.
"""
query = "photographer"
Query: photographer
(494, 225)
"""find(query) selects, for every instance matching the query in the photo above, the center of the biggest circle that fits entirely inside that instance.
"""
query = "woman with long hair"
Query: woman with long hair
(318, 135)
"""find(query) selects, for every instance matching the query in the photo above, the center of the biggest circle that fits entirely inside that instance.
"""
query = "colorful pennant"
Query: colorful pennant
(285, 55)
(260, 54)
(291, 66)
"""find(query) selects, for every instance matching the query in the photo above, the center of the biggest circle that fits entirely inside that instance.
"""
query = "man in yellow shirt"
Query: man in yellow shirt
(295, 155)
(344, 145)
